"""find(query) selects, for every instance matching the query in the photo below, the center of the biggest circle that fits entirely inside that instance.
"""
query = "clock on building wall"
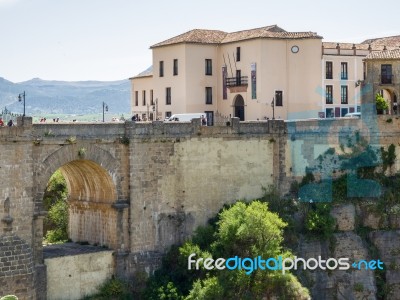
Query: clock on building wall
(295, 49)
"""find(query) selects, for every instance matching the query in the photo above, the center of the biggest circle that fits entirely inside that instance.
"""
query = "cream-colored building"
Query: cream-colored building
(343, 74)
(254, 74)
(233, 74)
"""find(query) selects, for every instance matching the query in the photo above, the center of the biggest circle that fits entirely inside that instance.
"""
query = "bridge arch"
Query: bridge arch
(95, 202)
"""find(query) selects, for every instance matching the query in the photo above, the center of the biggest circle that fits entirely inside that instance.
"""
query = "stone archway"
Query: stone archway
(97, 209)
(238, 104)
(92, 218)
(391, 98)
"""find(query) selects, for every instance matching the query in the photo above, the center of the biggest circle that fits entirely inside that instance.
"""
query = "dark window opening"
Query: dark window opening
(161, 68)
(278, 98)
(208, 67)
(168, 96)
(238, 77)
(386, 74)
(208, 95)
(329, 94)
(136, 98)
(237, 53)
(344, 94)
(175, 67)
(329, 70)
(343, 71)
(210, 118)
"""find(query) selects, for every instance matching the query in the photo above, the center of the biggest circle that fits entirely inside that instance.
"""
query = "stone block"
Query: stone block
(344, 216)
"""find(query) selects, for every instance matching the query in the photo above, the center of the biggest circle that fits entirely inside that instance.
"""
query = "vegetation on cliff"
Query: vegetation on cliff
(243, 230)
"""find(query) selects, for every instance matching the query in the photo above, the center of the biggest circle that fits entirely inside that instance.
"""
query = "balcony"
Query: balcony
(386, 79)
(236, 81)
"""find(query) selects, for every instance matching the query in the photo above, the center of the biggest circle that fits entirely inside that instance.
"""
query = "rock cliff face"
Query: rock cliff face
(362, 233)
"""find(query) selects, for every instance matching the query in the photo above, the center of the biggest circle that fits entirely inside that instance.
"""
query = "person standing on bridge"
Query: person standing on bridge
(203, 121)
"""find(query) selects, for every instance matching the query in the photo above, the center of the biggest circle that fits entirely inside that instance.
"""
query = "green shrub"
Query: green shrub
(58, 215)
(319, 222)
(112, 289)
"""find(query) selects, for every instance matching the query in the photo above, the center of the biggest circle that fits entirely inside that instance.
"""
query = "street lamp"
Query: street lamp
(20, 97)
(273, 108)
(105, 108)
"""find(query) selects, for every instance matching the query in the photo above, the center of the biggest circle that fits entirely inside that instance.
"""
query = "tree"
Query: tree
(381, 104)
(54, 199)
(245, 230)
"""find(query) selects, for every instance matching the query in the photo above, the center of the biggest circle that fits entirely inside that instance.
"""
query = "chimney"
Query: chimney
(369, 48)
(338, 48)
(354, 49)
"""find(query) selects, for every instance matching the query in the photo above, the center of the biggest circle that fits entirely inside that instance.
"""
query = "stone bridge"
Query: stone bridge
(137, 188)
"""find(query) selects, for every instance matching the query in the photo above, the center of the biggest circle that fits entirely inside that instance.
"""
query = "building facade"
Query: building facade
(261, 73)
(383, 74)
(255, 74)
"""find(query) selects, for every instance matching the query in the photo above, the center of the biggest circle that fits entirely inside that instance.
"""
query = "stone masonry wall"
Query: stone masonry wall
(165, 179)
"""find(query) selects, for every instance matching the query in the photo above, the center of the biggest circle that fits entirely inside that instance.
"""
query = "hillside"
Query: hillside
(74, 97)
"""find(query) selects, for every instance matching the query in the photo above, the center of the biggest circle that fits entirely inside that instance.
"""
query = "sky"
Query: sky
(108, 40)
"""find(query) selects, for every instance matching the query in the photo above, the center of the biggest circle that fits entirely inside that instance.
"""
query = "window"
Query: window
(238, 77)
(328, 70)
(343, 71)
(386, 74)
(210, 118)
(237, 53)
(330, 113)
(344, 94)
(151, 98)
(208, 95)
(208, 67)
(364, 70)
(144, 98)
(168, 114)
(329, 94)
(278, 98)
(136, 98)
(175, 67)
(161, 68)
(168, 96)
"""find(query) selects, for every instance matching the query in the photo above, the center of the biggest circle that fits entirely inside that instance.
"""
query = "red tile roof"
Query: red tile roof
(386, 54)
(389, 41)
(205, 36)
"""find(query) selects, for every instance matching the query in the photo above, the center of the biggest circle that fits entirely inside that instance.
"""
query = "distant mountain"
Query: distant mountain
(66, 97)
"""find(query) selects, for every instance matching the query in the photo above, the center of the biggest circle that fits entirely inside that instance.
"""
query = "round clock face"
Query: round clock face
(295, 49)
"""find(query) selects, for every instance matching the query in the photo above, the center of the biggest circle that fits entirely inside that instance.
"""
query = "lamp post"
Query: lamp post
(105, 108)
(273, 108)
(20, 97)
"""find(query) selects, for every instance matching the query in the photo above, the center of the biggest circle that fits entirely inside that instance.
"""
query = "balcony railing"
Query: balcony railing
(236, 81)
(386, 79)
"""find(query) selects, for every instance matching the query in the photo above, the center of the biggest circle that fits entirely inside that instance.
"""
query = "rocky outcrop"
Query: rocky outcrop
(361, 233)
(388, 246)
